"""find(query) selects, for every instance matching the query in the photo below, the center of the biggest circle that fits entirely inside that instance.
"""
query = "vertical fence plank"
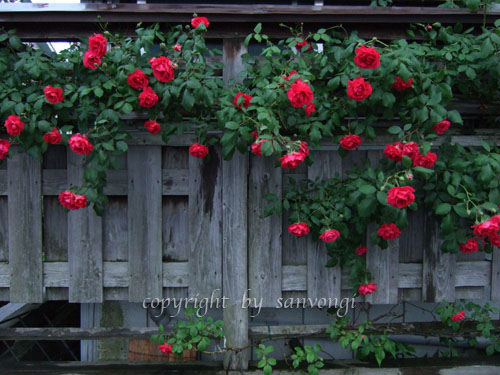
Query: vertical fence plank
(438, 269)
(322, 282)
(205, 225)
(144, 222)
(264, 233)
(495, 274)
(84, 244)
(25, 228)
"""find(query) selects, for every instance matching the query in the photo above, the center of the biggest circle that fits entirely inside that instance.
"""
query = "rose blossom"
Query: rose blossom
(401, 197)
(400, 85)
(470, 246)
(195, 22)
(53, 136)
(177, 47)
(198, 150)
(14, 125)
(71, 201)
(299, 229)
(394, 152)
(246, 100)
(367, 58)
(80, 201)
(254, 134)
(138, 80)
(152, 126)
(494, 239)
(291, 161)
(4, 148)
(388, 231)
(292, 72)
(441, 126)
(358, 89)
(165, 348)
(80, 144)
(365, 289)
(53, 95)
(411, 150)
(487, 228)
(148, 98)
(91, 60)
(163, 69)
(458, 316)
(361, 250)
(303, 148)
(256, 147)
(300, 94)
(330, 235)
(98, 45)
(309, 109)
(426, 161)
(304, 43)
(350, 142)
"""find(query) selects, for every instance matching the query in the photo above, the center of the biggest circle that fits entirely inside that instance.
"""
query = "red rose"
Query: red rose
(80, 144)
(428, 27)
(458, 316)
(198, 151)
(309, 109)
(165, 348)
(330, 235)
(53, 94)
(365, 289)
(163, 69)
(494, 239)
(358, 89)
(441, 126)
(299, 229)
(426, 161)
(388, 231)
(394, 152)
(470, 246)
(177, 47)
(245, 101)
(4, 148)
(98, 45)
(197, 21)
(367, 58)
(91, 60)
(80, 201)
(254, 134)
(138, 80)
(14, 125)
(256, 147)
(350, 142)
(411, 150)
(300, 94)
(291, 161)
(487, 228)
(67, 200)
(400, 85)
(292, 72)
(361, 250)
(152, 126)
(400, 197)
(148, 98)
(303, 148)
(304, 43)
(52, 137)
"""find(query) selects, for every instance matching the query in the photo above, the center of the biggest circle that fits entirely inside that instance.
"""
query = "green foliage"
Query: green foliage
(309, 356)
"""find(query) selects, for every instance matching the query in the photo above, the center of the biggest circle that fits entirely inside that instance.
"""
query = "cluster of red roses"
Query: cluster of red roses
(397, 150)
(98, 45)
(71, 201)
(365, 289)
(487, 229)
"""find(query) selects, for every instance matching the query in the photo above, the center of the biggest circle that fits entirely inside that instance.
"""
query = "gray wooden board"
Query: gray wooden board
(115, 228)
(4, 229)
(265, 245)
(322, 282)
(205, 224)
(25, 227)
(175, 228)
(144, 222)
(55, 230)
(495, 275)
(411, 241)
(84, 243)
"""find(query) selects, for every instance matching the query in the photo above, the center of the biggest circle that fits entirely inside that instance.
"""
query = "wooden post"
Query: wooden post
(235, 246)
(25, 228)
(495, 274)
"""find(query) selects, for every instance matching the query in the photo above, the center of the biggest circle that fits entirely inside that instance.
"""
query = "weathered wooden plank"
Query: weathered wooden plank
(294, 278)
(235, 254)
(438, 267)
(322, 282)
(89, 318)
(4, 229)
(205, 224)
(411, 241)
(175, 228)
(84, 243)
(495, 275)
(265, 245)
(55, 230)
(25, 227)
(115, 228)
(144, 222)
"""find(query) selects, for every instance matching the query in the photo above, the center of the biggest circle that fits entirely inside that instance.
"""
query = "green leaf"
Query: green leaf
(268, 370)
(366, 207)
(394, 130)
(423, 171)
(122, 146)
(127, 108)
(98, 92)
(187, 100)
(407, 161)
(367, 189)
(257, 29)
(443, 209)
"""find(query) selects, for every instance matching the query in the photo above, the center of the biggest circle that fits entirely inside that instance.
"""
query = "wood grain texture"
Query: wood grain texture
(495, 275)
(84, 243)
(144, 222)
(25, 228)
(438, 267)
(411, 241)
(115, 228)
(322, 282)
(265, 245)
(205, 224)
(4, 229)
(235, 254)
